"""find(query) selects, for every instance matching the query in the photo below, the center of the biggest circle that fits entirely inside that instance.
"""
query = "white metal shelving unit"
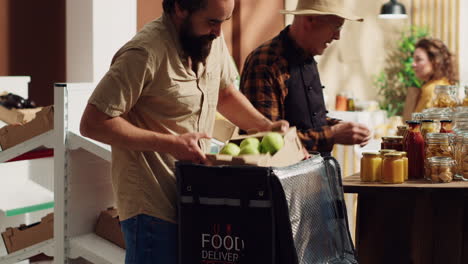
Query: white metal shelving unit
(26, 189)
(82, 182)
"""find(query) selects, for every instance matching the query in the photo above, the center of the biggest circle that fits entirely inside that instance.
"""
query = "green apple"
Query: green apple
(230, 149)
(272, 142)
(250, 141)
(249, 150)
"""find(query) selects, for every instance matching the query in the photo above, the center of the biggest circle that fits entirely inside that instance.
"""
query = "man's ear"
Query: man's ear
(179, 12)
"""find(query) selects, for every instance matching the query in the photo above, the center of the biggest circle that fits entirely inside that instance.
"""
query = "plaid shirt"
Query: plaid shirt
(263, 79)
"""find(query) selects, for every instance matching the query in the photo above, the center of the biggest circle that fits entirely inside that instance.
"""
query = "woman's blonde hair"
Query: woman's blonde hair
(443, 61)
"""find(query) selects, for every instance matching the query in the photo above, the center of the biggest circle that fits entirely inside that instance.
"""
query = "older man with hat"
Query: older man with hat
(281, 78)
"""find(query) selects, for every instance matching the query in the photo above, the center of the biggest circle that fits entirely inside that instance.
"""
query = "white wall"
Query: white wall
(96, 29)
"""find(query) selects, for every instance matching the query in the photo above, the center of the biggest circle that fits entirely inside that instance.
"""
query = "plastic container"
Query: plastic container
(393, 168)
(442, 169)
(371, 164)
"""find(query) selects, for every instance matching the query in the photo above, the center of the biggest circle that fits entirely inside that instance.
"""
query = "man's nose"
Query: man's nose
(216, 30)
(337, 35)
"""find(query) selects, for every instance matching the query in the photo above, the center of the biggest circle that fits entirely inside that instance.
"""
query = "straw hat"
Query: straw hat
(322, 7)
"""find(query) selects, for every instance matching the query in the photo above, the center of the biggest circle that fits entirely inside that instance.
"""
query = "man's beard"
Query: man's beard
(196, 47)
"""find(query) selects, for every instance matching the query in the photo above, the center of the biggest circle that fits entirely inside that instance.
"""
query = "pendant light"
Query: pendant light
(393, 10)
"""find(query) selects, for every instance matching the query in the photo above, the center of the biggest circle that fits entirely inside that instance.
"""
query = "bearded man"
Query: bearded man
(156, 105)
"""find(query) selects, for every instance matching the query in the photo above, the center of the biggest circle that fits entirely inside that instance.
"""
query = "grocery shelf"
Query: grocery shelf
(19, 194)
(43, 140)
(99, 149)
(96, 249)
(45, 247)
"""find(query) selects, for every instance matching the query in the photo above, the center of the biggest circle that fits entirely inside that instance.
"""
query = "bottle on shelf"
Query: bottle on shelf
(415, 150)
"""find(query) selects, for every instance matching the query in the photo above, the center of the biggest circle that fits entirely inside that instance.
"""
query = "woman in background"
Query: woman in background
(434, 65)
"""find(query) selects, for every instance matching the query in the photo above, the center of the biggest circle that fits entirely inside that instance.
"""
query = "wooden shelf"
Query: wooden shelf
(18, 193)
(96, 249)
(353, 184)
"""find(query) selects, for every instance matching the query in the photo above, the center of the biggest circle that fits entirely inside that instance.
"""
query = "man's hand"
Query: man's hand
(350, 133)
(279, 126)
(186, 148)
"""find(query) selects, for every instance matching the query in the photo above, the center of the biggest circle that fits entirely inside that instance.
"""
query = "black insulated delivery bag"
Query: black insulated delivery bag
(263, 215)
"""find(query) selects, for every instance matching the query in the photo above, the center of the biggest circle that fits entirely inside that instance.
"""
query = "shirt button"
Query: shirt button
(310, 88)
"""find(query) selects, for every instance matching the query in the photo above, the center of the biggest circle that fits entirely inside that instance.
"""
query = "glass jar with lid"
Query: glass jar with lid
(464, 158)
(393, 168)
(445, 96)
(437, 145)
(427, 126)
(371, 163)
(437, 114)
(460, 120)
(415, 150)
(404, 157)
(442, 169)
(401, 130)
(446, 126)
(393, 142)
(417, 116)
(382, 152)
(459, 153)
(465, 100)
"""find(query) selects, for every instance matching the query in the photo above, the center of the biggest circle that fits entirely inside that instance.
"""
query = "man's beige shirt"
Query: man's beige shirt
(150, 85)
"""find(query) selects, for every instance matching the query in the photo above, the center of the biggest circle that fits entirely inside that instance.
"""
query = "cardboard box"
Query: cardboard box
(289, 154)
(25, 236)
(224, 130)
(18, 116)
(13, 135)
(108, 227)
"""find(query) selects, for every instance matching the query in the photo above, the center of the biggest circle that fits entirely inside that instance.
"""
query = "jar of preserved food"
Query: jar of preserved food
(394, 142)
(464, 157)
(446, 126)
(417, 116)
(442, 169)
(404, 157)
(465, 100)
(437, 145)
(371, 164)
(437, 114)
(458, 153)
(427, 126)
(445, 96)
(415, 150)
(401, 131)
(392, 168)
(385, 151)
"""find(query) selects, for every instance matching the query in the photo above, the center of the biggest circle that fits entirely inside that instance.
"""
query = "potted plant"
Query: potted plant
(393, 82)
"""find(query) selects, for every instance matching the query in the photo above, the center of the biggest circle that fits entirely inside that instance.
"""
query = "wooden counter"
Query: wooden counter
(415, 222)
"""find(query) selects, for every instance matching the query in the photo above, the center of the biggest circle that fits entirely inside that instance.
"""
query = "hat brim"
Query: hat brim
(308, 12)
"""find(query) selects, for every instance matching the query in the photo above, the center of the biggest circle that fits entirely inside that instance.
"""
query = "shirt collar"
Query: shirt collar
(292, 51)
